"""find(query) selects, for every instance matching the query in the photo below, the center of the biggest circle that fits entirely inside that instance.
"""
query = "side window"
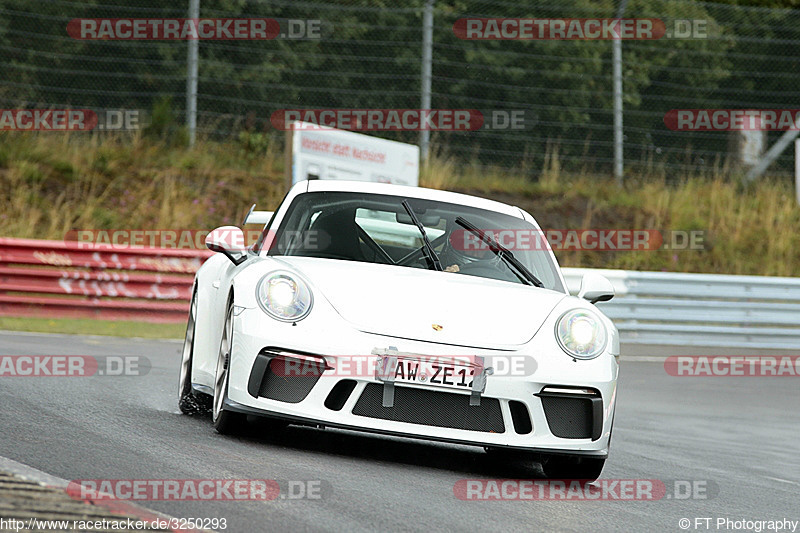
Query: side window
(302, 238)
(383, 228)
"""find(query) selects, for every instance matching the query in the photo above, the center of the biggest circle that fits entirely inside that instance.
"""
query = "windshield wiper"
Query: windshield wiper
(503, 253)
(427, 247)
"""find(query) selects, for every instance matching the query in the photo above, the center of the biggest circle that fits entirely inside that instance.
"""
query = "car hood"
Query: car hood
(429, 306)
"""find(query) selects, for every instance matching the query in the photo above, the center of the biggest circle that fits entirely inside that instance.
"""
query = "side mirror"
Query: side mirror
(228, 240)
(596, 288)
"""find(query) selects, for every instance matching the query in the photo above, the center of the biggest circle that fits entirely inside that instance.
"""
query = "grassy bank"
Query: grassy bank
(52, 183)
(83, 326)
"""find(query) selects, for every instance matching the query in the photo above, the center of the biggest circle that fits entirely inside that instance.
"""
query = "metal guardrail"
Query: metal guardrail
(701, 309)
(41, 278)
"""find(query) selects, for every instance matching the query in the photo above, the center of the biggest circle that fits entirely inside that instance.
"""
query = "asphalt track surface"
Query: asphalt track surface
(738, 437)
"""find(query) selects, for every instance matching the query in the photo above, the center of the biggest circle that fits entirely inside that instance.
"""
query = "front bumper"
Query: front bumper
(542, 396)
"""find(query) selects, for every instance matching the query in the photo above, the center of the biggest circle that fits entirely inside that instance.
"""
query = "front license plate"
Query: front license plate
(424, 372)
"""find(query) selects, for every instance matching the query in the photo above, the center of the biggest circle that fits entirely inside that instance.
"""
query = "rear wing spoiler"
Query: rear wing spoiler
(257, 217)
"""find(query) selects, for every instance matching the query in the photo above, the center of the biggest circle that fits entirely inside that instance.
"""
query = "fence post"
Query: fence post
(427, 58)
(773, 153)
(617, 75)
(191, 77)
(797, 169)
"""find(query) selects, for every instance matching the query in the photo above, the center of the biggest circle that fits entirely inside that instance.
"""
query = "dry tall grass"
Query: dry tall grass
(53, 183)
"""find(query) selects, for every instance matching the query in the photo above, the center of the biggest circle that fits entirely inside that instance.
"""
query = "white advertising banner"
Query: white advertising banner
(319, 152)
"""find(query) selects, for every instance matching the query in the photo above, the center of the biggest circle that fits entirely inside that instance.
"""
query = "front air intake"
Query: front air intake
(573, 413)
(284, 376)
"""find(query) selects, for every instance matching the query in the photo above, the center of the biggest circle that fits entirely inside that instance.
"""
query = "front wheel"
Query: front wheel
(570, 467)
(225, 422)
(188, 401)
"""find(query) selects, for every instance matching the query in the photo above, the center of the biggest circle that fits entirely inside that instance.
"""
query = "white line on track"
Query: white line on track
(782, 480)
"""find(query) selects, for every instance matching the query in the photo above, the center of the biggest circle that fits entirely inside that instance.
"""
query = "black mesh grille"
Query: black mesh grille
(289, 380)
(431, 408)
(568, 418)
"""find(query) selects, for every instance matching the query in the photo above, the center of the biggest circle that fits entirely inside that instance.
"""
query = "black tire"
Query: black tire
(225, 422)
(572, 467)
(189, 402)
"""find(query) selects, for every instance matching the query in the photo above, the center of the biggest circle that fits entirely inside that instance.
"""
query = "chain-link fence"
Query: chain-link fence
(370, 56)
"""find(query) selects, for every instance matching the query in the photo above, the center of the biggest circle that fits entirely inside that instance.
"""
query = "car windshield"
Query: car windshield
(376, 228)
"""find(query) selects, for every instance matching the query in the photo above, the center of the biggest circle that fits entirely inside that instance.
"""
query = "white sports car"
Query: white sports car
(404, 311)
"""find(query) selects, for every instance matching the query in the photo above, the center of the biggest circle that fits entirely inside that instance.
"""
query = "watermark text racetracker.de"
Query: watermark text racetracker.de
(178, 239)
(588, 239)
(456, 370)
(190, 239)
(73, 365)
(183, 29)
(566, 29)
(732, 119)
(99, 490)
(72, 119)
(582, 490)
(456, 120)
(732, 366)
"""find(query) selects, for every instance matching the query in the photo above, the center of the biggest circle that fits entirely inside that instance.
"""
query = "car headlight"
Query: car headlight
(581, 334)
(284, 296)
